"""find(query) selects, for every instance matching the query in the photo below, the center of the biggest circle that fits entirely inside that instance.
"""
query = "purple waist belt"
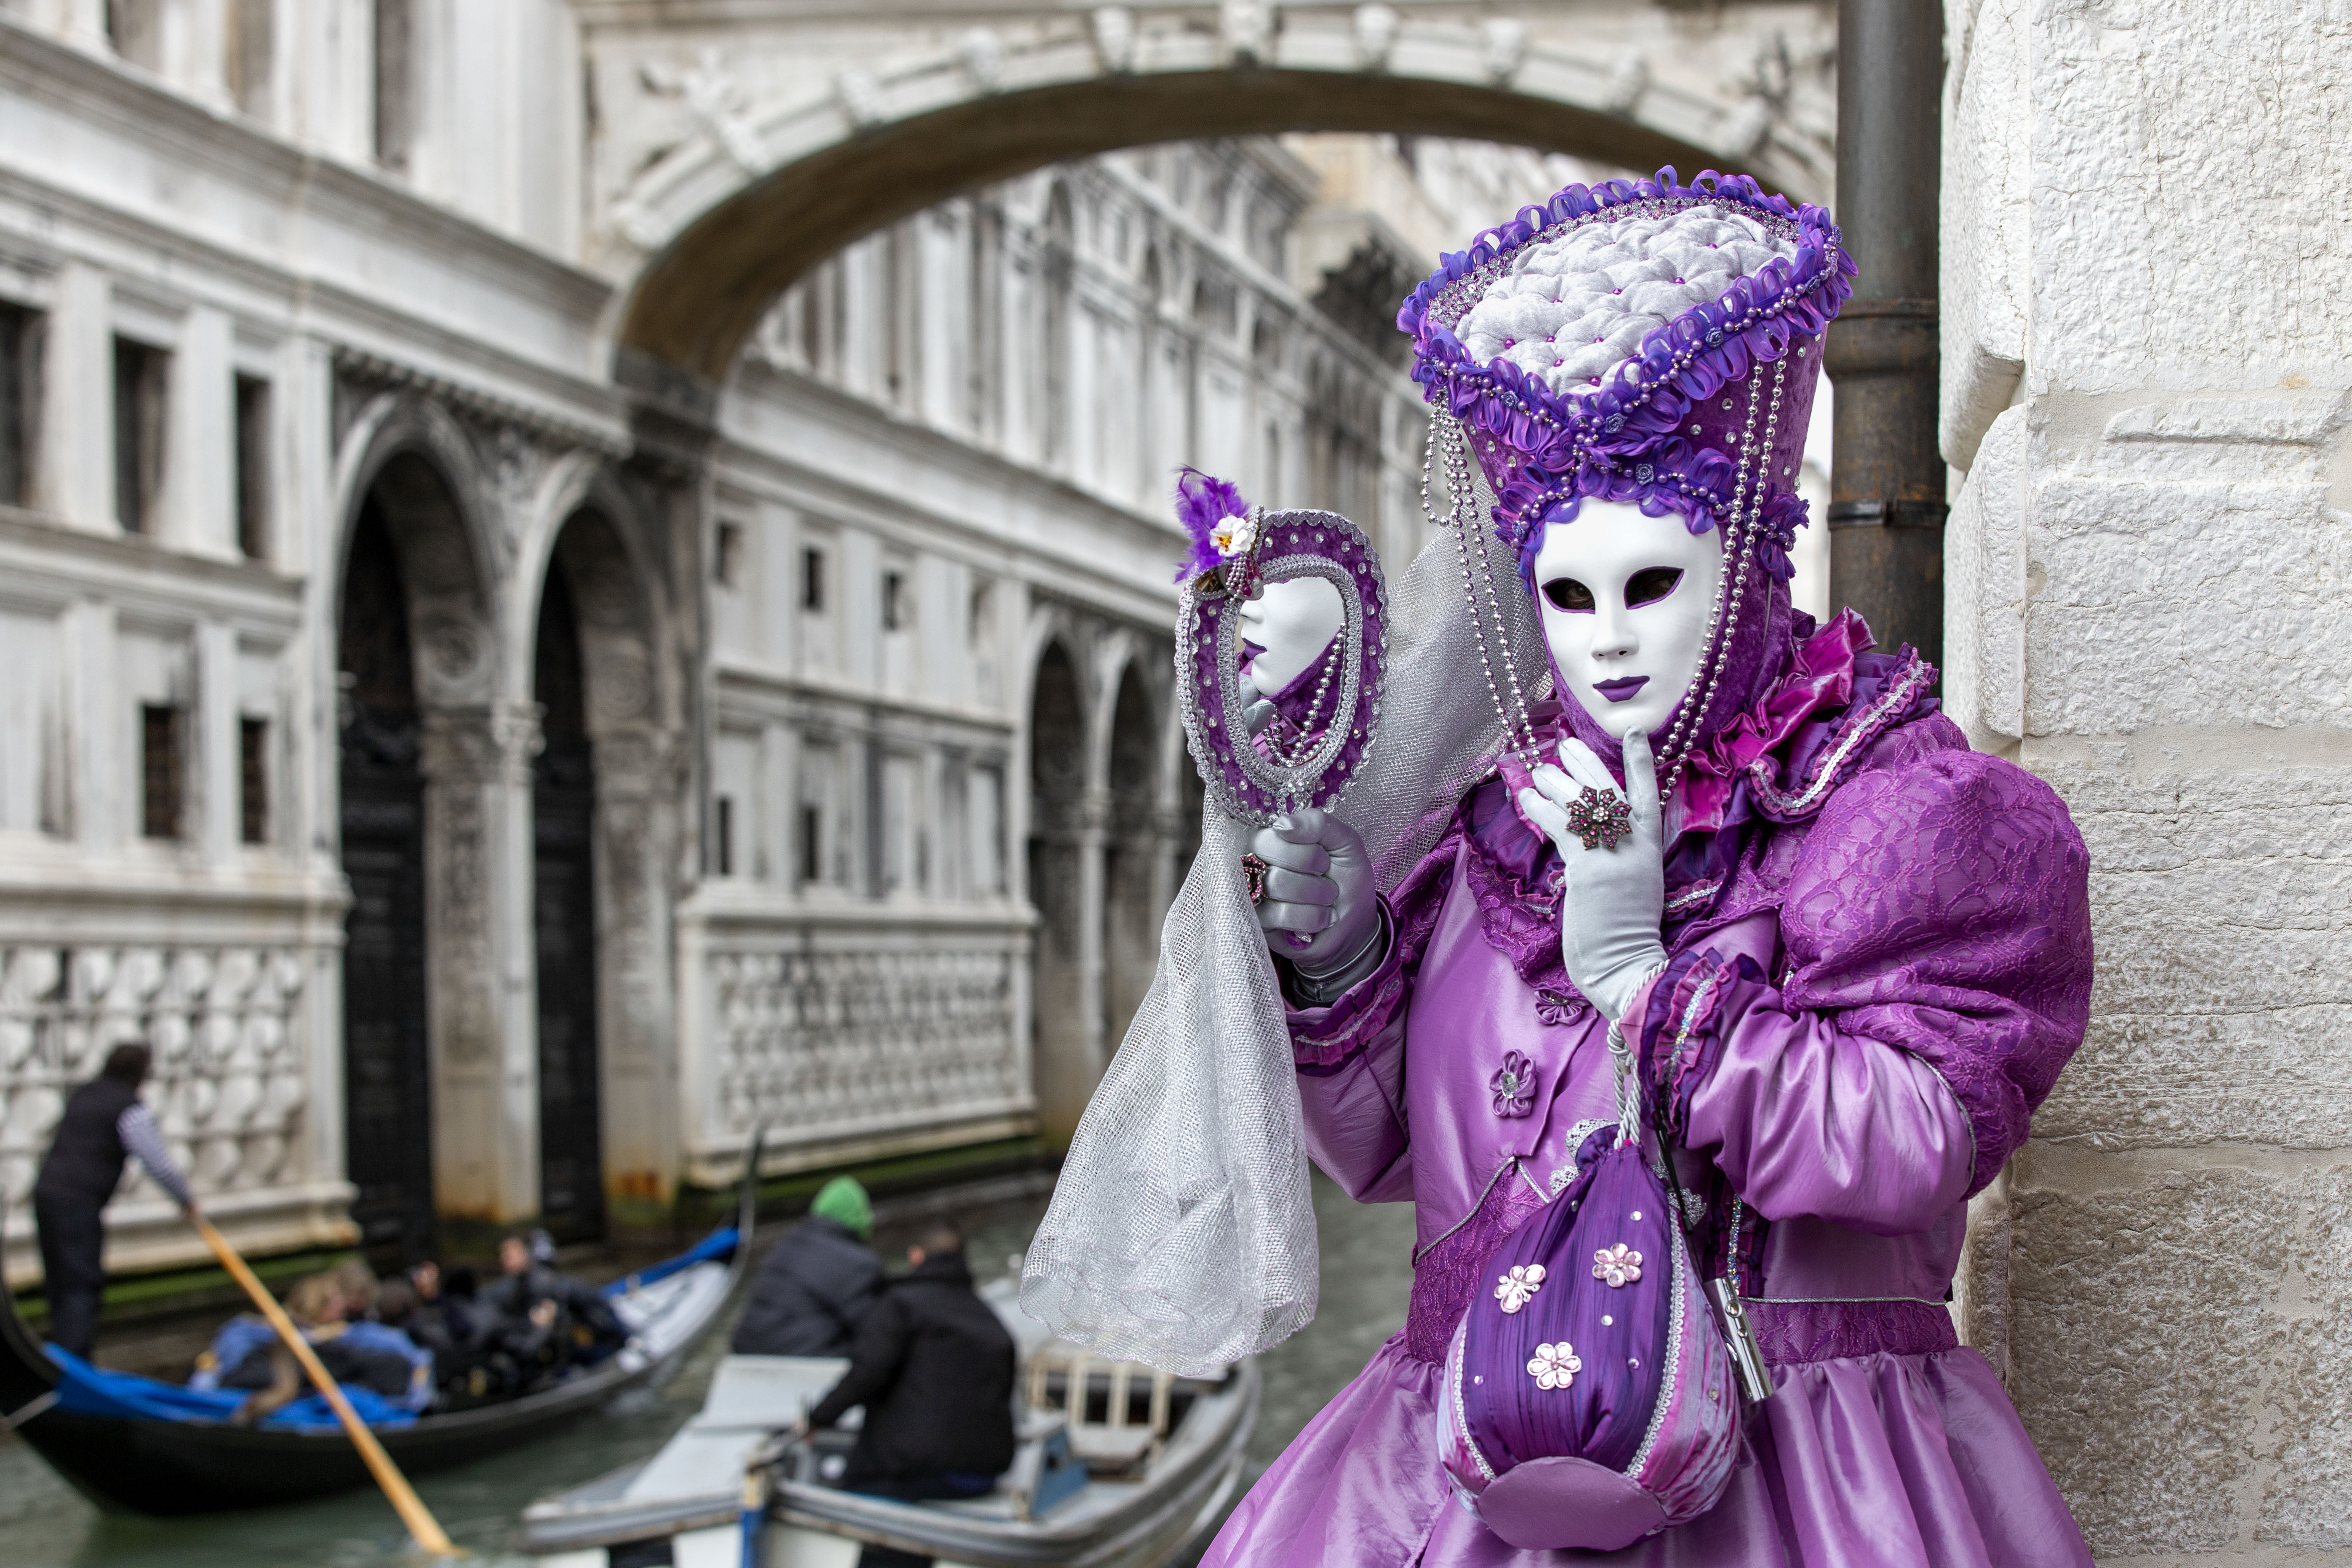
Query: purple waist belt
(1454, 1267)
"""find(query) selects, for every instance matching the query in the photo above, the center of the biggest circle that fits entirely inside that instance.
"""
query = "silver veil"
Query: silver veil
(1180, 1233)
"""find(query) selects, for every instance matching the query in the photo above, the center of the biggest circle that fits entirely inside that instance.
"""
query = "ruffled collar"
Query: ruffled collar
(1823, 668)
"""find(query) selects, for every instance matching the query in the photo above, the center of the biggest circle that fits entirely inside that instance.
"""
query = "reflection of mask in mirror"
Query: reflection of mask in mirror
(1291, 623)
(1625, 599)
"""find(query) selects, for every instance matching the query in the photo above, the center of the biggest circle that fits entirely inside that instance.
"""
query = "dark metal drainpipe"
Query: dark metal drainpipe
(1886, 478)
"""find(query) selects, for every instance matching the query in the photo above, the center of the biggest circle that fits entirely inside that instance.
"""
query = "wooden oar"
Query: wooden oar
(421, 1526)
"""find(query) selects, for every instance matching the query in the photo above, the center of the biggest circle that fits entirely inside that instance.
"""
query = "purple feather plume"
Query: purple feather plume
(1202, 501)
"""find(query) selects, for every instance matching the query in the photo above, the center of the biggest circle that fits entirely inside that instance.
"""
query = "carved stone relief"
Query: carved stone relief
(231, 1082)
(829, 1043)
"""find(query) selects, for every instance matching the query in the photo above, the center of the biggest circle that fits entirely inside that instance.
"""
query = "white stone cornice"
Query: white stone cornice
(374, 370)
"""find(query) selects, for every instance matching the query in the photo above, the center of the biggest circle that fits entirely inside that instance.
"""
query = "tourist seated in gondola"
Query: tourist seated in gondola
(933, 1365)
(818, 1282)
(247, 1355)
(444, 1317)
(548, 1321)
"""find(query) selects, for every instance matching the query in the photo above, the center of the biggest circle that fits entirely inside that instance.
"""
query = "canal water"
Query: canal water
(43, 1524)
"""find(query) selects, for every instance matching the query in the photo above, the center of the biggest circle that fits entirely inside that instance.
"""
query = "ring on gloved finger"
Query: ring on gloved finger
(1253, 871)
(1600, 818)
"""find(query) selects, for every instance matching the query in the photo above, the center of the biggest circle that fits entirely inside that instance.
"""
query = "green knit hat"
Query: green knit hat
(843, 1201)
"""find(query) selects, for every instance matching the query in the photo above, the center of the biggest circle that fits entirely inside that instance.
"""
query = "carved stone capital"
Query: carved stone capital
(636, 761)
(492, 744)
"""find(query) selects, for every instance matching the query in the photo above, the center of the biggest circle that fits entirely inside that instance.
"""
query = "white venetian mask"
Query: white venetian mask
(1625, 600)
(1294, 621)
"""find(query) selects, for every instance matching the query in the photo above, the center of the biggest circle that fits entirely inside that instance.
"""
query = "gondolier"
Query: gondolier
(105, 1123)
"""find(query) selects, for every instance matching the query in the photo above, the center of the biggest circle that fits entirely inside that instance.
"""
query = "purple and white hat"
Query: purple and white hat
(1650, 342)
(1596, 346)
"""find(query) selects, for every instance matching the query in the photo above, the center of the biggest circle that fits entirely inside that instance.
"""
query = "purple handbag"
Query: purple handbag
(1590, 1396)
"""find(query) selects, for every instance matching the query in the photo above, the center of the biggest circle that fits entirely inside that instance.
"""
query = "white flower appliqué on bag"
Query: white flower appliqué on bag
(1520, 1286)
(1555, 1366)
(1617, 1264)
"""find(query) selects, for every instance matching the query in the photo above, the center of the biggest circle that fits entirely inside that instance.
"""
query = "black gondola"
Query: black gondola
(184, 1466)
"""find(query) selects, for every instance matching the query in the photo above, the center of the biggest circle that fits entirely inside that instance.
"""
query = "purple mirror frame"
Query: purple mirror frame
(1246, 784)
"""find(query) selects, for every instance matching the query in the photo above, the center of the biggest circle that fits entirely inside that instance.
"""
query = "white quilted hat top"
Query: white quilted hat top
(1572, 309)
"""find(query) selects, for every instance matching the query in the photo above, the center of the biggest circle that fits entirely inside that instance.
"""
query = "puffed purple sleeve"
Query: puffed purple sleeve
(1803, 1118)
(1353, 1109)
(1936, 954)
(1351, 1053)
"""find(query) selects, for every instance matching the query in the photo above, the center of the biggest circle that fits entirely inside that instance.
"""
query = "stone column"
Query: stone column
(199, 514)
(1092, 834)
(638, 782)
(75, 476)
(2151, 605)
(480, 959)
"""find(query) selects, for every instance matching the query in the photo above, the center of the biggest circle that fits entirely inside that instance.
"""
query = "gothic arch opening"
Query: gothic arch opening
(1132, 897)
(1066, 1026)
(563, 925)
(599, 822)
(406, 580)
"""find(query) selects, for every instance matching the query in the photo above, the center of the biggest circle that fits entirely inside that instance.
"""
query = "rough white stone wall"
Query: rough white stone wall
(2151, 605)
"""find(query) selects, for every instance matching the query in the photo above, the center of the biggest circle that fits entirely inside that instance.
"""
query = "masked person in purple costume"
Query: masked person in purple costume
(1848, 955)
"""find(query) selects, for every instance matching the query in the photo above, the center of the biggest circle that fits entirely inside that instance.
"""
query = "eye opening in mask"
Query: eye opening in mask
(1568, 594)
(1650, 584)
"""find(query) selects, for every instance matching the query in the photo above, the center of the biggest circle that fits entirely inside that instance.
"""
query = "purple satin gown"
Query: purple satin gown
(1879, 959)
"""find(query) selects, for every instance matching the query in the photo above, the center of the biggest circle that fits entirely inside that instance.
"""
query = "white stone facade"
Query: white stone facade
(2149, 603)
(419, 721)
(280, 370)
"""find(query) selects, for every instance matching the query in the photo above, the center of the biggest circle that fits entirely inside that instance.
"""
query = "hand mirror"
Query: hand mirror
(1259, 779)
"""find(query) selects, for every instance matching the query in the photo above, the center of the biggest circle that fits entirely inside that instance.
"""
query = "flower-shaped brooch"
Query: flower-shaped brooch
(1520, 1286)
(1600, 818)
(1618, 1265)
(1514, 1084)
(1555, 1366)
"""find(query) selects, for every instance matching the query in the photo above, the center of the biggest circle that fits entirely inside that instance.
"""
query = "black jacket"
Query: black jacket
(933, 1366)
(86, 1159)
(513, 1296)
(814, 1289)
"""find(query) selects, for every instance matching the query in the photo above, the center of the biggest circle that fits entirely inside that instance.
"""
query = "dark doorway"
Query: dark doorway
(1057, 780)
(563, 817)
(387, 1075)
(1131, 859)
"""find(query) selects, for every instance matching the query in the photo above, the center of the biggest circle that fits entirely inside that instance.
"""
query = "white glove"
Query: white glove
(1616, 898)
(1318, 879)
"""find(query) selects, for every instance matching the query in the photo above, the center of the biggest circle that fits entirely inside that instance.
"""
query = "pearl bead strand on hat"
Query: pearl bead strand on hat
(1519, 733)
(1736, 573)
(1461, 470)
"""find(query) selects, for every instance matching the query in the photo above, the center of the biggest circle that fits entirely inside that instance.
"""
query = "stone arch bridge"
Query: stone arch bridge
(733, 150)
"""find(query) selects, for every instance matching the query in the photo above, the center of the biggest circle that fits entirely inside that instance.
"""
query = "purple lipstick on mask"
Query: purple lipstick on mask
(1621, 691)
